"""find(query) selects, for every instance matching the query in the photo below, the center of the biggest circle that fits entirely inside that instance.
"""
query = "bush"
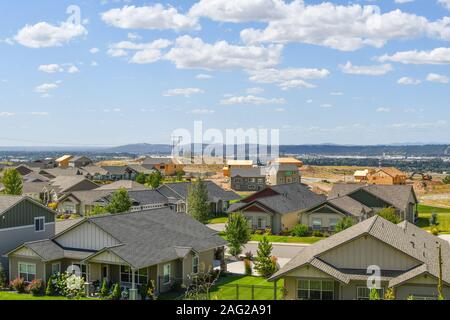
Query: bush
(345, 223)
(300, 230)
(104, 290)
(434, 220)
(268, 231)
(116, 293)
(151, 292)
(317, 234)
(3, 278)
(390, 294)
(36, 287)
(18, 285)
(446, 180)
(51, 289)
(435, 231)
(248, 267)
(374, 295)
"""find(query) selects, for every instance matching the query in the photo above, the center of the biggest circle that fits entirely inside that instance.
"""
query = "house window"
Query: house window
(56, 268)
(126, 275)
(363, 293)
(39, 224)
(27, 271)
(317, 224)
(261, 223)
(315, 290)
(195, 264)
(333, 223)
(166, 274)
(81, 268)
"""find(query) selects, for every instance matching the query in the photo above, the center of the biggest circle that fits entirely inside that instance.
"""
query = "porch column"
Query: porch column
(133, 290)
(87, 283)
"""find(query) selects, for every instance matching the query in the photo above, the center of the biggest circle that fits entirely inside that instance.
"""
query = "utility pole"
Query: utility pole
(440, 294)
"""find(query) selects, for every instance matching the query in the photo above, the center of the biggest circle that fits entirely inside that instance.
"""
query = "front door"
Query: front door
(105, 272)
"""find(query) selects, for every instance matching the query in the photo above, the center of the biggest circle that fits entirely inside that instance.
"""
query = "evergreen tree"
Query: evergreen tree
(374, 295)
(50, 290)
(264, 263)
(104, 290)
(116, 293)
(237, 233)
(197, 201)
(12, 182)
(120, 202)
(3, 278)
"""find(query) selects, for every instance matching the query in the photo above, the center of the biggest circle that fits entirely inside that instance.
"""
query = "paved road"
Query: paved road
(445, 237)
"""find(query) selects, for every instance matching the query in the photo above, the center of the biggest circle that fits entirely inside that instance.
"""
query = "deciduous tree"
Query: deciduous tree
(197, 201)
(237, 233)
(120, 202)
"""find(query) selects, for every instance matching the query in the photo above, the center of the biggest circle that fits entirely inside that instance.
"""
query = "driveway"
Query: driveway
(219, 227)
(445, 237)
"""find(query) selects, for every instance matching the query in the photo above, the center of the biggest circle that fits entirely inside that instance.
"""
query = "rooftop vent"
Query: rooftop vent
(412, 244)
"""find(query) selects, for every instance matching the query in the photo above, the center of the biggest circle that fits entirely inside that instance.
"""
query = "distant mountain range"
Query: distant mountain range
(431, 150)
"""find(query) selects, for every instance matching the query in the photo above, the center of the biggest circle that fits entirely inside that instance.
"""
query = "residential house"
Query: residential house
(147, 199)
(236, 164)
(63, 161)
(248, 179)
(286, 161)
(79, 162)
(277, 207)
(82, 202)
(115, 173)
(167, 166)
(130, 249)
(339, 267)
(65, 184)
(387, 176)
(61, 172)
(123, 184)
(141, 169)
(24, 169)
(176, 193)
(360, 202)
(282, 174)
(47, 163)
(94, 172)
(22, 219)
(34, 190)
(361, 176)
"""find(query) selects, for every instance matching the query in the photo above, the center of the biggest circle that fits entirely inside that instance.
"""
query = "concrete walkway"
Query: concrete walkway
(219, 227)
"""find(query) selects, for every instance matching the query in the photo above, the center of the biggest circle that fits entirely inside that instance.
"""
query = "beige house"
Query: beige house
(341, 267)
(236, 164)
(387, 176)
(63, 161)
(129, 249)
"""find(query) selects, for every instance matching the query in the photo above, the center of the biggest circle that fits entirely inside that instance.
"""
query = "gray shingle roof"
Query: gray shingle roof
(289, 198)
(248, 172)
(64, 183)
(180, 190)
(7, 202)
(153, 161)
(145, 197)
(351, 206)
(49, 250)
(165, 230)
(127, 184)
(405, 237)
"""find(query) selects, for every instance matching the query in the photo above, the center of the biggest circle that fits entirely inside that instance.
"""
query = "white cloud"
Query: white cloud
(189, 53)
(296, 83)
(239, 10)
(436, 56)
(46, 87)
(94, 50)
(6, 114)
(94, 64)
(44, 35)
(254, 91)
(382, 109)
(434, 77)
(187, 92)
(445, 3)
(133, 36)
(73, 69)
(149, 17)
(374, 70)
(203, 76)
(344, 27)
(408, 81)
(288, 78)
(51, 68)
(144, 52)
(250, 99)
(403, 1)
(201, 111)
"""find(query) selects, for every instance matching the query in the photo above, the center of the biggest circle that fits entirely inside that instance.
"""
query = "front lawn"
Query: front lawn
(246, 288)
(4, 295)
(282, 239)
(218, 220)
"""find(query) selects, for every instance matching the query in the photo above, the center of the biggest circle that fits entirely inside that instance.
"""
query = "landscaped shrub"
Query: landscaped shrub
(435, 231)
(104, 290)
(3, 278)
(268, 231)
(390, 294)
(317, 233)
(74, 287)
(434, 220)
(36, 287)
(19, 285)
(248, 267)
(300, 230)
(116, 293)
(151, 292)
(50, 290)
(143, 291)
(374, 294)
(343, 224)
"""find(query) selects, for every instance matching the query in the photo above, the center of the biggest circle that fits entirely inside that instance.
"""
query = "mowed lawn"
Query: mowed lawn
(16, 296)
(240, 288)
(281, 239)
(443, 218)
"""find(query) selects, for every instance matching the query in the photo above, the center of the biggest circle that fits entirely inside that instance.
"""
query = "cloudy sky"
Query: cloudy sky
(113, 72)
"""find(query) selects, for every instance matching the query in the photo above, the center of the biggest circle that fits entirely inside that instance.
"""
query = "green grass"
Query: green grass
(227, 287)
(282, 239)
(218, 220)
(443, 218)
(16, 296)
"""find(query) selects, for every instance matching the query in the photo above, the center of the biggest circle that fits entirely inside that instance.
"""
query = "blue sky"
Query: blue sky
(346, 72)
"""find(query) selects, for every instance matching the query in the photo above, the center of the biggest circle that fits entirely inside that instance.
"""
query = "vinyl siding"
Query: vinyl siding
(23, 214)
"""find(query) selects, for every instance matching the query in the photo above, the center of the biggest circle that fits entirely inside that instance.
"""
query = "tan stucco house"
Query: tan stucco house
(129, 249)
(339, 267)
